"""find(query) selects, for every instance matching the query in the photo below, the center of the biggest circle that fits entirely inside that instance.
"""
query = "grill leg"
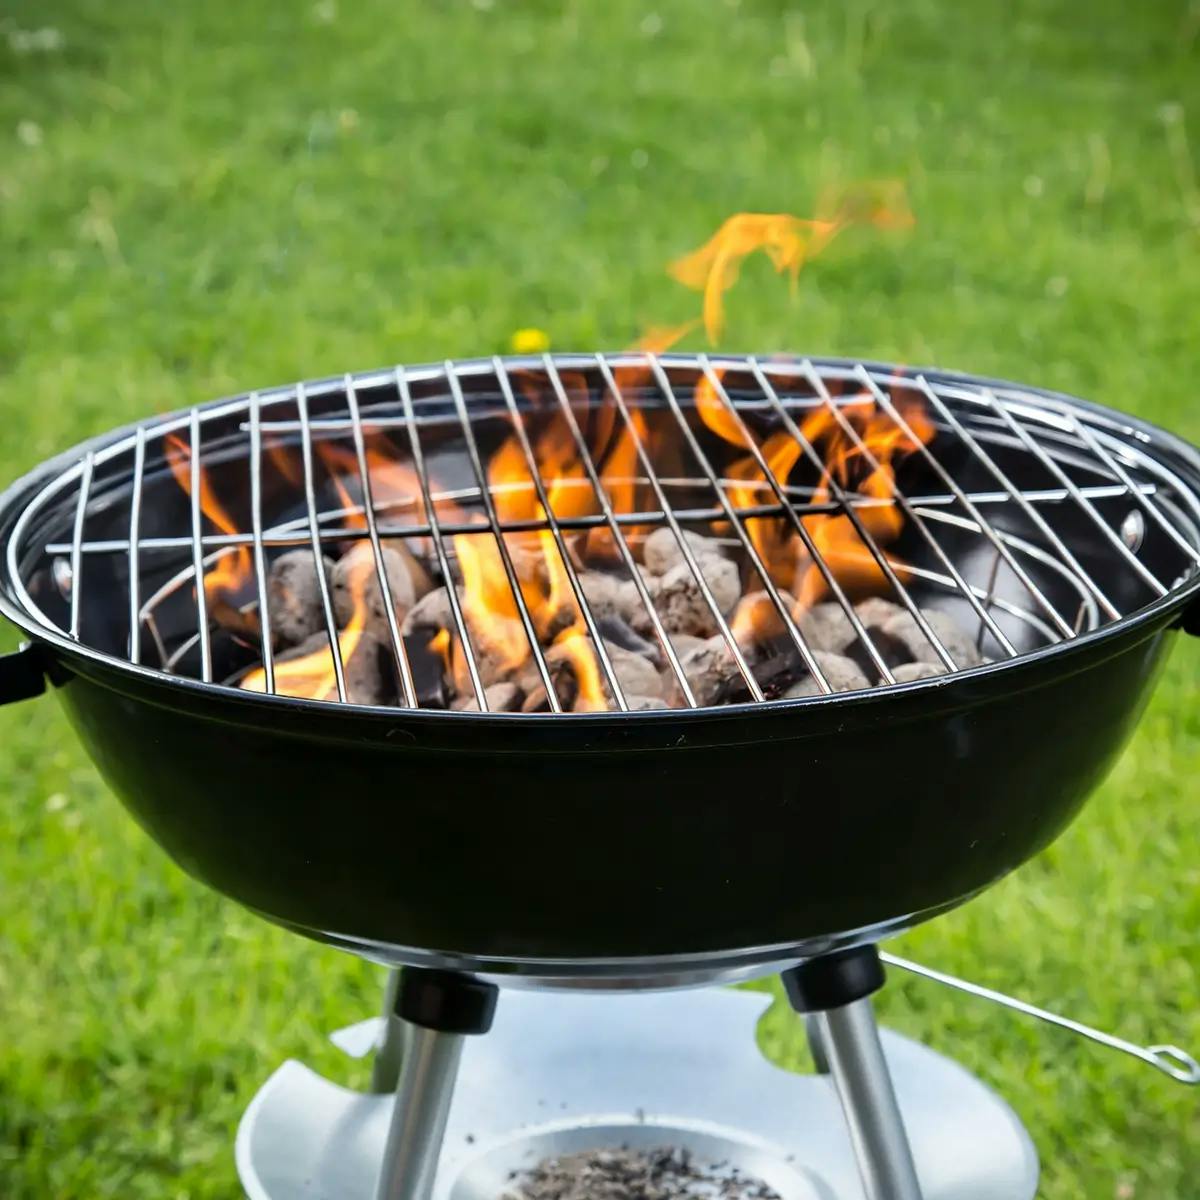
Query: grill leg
(834, 994)
(385, 1070)
(442, 1008)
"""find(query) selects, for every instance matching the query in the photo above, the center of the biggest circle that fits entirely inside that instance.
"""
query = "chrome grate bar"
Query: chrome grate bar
(1031, 444)
(256, 527)
(203, 635)
(839, 493)
(560, 545)
(681, 541)
(510, 572)
(399, 653)
(310, 502)
(135, 565)
(985, 527)
(810, 546)
(1020, 498)
(919, 524)
(764, 575)
(1113, 464)
(618, 534)
(81, 503)
(439, 548)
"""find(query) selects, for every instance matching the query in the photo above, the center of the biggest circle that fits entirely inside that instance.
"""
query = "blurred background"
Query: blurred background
(197, 199)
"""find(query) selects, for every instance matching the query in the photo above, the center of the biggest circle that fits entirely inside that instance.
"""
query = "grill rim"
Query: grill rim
(1170, 451)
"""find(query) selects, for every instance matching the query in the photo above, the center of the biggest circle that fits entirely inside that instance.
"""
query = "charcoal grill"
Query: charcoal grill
(665, 846)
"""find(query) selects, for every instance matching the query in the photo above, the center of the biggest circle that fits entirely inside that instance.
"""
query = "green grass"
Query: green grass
(199, 198)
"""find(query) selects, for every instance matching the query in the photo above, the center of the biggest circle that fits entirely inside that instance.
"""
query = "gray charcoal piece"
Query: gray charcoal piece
(407, 580)
(431, 613)
(681, 602)
(911, 672)
(661, 552)
(601, 591)
(827, 627)
(843, 675)
(644, 703)
(636, 674)
(876, 612)
(629, 601)
(708, 668)
(500, 697)
(618, 630)
(904, 628)
(294, 597)
(682, 643)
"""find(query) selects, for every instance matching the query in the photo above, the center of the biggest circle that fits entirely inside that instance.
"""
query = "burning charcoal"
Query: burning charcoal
(562, 675)
(501, 697)
(407, 580)
(681, 603)
(827, 627)
(904, 629)
(911, 672)
(661, 552)
(636, 675)
(710, 669)
(294, 597)
(366, 682)
(842, 673)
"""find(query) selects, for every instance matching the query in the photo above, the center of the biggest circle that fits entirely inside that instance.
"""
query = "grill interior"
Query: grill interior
(1028, 520)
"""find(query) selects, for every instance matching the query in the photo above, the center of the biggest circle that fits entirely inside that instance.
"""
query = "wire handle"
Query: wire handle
(1170, 1060)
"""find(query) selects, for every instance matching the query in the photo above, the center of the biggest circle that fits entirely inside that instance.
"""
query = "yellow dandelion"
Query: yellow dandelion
(530, 341)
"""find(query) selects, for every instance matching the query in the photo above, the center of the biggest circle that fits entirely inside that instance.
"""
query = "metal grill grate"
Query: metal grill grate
(1082, 522)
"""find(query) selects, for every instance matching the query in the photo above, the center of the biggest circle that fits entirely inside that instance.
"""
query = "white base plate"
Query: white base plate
(562, 1072)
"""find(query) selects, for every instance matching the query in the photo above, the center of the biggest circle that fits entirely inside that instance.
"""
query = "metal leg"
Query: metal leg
(385, 1071)
(414, 1141)
(440, 1008)
(833, 992)
(850, 1039)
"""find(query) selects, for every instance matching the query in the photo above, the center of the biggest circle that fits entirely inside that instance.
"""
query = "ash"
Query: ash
(664, 1173)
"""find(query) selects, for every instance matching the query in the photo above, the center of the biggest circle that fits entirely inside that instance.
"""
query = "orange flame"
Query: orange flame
(788, 241)
(545, 584)
(313, 676)
(232, 570)
(864, 465)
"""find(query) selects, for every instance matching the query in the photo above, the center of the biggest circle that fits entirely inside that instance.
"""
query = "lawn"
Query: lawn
(196, 198)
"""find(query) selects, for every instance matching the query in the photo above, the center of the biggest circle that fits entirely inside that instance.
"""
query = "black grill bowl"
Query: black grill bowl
(549, 847)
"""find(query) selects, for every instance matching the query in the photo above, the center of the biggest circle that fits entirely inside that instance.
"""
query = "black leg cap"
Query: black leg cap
(445, 1001)
(834, 980)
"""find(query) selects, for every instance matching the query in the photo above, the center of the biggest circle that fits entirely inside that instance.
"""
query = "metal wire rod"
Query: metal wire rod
(399, 653)
(439, 549)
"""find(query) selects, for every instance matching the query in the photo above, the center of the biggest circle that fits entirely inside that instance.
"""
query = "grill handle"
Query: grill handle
(1170, 1060)
(22, 674)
